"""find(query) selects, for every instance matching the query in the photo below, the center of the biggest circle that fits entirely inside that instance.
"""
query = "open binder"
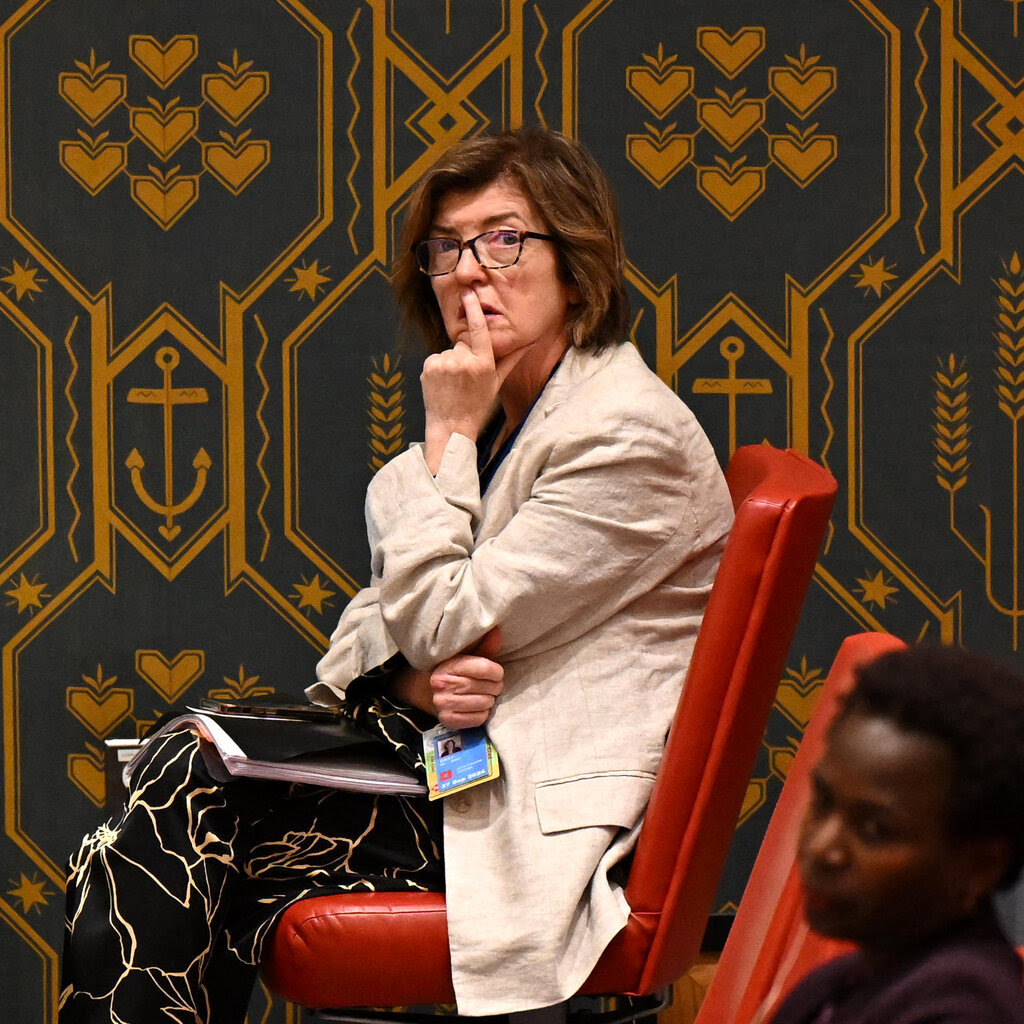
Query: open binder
(336, 754)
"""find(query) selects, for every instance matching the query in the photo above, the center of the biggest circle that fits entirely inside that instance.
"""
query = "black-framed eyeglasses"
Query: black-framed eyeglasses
(491, 249)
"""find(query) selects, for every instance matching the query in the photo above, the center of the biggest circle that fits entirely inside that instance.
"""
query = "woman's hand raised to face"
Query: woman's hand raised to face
(461, 383)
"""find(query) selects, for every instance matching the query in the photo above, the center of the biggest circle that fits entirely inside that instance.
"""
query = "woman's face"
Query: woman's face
(525, 305)
(877, 861)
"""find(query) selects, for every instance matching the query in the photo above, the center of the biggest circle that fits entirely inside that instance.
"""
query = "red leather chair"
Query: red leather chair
(388, 949)
(770, 947)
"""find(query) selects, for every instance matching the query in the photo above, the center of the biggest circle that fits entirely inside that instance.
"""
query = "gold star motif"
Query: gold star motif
(875, 276)
(27, 595)
(31, 893)
(876, 590)
(308, 278)
(312, 594)
(22, 280)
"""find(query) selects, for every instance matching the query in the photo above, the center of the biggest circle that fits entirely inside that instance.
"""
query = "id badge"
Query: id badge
(456, 759)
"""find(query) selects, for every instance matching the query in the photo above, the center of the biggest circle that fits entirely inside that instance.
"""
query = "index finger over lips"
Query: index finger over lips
(478, 337)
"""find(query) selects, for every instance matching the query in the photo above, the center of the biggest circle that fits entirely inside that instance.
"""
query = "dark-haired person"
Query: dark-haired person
(540, 564)
(916, 819)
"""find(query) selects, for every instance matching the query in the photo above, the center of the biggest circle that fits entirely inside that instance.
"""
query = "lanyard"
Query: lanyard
(485, 467)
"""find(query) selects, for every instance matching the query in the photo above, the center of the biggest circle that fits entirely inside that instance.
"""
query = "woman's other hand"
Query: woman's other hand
(461, 691)
(466, 686)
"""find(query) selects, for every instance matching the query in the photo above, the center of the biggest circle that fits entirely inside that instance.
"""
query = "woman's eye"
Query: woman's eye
(504, 239)
(871, 830)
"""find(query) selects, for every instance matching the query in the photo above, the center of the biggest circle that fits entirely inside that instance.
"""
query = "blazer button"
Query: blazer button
(460, 804)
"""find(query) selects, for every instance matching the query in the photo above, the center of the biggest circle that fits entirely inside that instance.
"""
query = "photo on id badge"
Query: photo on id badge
(457, 758)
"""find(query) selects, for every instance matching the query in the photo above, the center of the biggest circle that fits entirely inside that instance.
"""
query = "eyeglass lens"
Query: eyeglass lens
(492, 249)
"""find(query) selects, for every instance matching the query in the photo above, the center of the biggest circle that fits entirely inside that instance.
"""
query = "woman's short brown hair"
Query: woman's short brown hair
(573, 195)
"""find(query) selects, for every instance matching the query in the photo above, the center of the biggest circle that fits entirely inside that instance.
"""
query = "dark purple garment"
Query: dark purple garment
(969, 975)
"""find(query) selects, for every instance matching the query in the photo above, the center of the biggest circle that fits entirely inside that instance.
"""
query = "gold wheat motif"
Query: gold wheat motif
(952, 428)
(386, 410)
(1010, 339)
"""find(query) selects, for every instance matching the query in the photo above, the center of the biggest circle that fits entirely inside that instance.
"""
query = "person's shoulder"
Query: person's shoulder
(812, 991)
(616, 381)
(981, 984)
(612, 408)
(621, 359)
(969, 983)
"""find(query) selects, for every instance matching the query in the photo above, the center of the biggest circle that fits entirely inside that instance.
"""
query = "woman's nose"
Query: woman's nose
(468, 268)
(823, 842)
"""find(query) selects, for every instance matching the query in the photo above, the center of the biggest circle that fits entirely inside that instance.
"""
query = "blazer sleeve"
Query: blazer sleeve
(612, 511)
(359, 644)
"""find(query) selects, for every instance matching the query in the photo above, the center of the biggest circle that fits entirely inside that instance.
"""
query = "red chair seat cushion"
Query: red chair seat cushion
(370, 949)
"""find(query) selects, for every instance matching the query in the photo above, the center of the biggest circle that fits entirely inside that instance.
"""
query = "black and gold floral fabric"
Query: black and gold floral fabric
(169, 907)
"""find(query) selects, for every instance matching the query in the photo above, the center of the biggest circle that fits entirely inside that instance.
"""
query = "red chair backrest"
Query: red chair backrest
(783, 501)
(769, 946)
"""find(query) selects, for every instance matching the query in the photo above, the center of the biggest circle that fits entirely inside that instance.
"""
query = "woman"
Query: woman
(917, 817)
(540, 564)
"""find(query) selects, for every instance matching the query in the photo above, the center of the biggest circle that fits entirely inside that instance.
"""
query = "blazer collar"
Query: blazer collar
(577, 366)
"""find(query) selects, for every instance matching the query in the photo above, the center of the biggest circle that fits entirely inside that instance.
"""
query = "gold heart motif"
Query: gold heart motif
(659, 160)
(92, 100)
(93, 169)
(165, 201)
(168, 532)
(236, 99)
(87, 774)
(170, 677)
(803, 161)
(731, 193)
(235, 168)
(802, 92)
(659, 93)
(163, 62)
(730, 53)
(730, 125)
(797, 703)
(164, 133)
(100, 713)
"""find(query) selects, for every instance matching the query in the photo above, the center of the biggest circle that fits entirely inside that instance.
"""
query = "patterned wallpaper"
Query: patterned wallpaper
(202, 369)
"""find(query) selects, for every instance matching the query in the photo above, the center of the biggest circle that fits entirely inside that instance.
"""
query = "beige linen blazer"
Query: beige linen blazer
(594, 548)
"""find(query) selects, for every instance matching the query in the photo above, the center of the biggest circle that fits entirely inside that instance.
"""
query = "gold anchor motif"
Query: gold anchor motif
(168, 397)
(732, 348)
